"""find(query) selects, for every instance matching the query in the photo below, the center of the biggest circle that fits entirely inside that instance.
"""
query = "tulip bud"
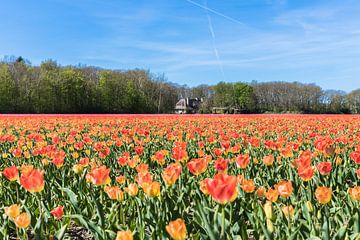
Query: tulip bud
(268, 210)
(45, 161)
(309, 206)
(338, 161)
(269, 225)
(75, 155)
(319, 214)
(77, 168)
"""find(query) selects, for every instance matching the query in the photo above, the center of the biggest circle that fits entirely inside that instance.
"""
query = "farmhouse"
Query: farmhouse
(188, 105)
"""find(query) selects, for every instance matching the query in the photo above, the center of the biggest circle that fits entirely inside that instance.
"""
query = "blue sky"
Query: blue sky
(315, 41)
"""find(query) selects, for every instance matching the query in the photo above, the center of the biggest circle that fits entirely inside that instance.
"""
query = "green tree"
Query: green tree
(7, 90)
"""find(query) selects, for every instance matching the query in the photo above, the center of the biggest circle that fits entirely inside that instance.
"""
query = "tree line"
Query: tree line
(51, 88)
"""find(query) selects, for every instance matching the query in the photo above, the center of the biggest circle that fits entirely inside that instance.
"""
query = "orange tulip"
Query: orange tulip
(133, 161)
(99, 176)
(242, 161)
(159, 156)
(58, 212)
(248, 186)
(152, 189)
(268, 160)
(286, 152)
(58, 162)
(222, 188)
(33, 180)
(124, 235)
(11, 173)
(203, 186)
(114, 193)
(260, 192)
(323, 194)
(304, 160)
(12, 211)
(180, 154)
(120, 179)
(171, 173)
(218, 152)
(176, 229)
(240, 178)
(197, 165)
(142, 168)
(272, 195)
(284, 188)
(144, 178)
(132, 189)
(354, 193)
(17, 152)
(23, 220)
(288, 211)
(25, 169)
(306, 173)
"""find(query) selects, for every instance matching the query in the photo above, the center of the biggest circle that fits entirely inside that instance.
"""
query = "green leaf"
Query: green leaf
(341, 233)
(72, 196)
(204, 219)
(60, 233)
(325, 228)
(111, 234)
(314, 238)
(89, 225)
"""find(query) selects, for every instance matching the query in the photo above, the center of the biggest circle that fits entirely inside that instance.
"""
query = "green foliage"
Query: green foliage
(51, 88)
(7, 90)
(238, 95)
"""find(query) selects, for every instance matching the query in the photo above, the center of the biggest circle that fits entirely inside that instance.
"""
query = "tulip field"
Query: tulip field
(180, 177)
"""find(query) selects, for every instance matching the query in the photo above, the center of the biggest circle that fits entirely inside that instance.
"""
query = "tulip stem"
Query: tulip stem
(223, 222)
(17, 232)
(289, 217)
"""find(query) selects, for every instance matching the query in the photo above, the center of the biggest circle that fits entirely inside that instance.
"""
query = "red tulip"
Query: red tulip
(221, 165)
(355, 156)
(11, 173)
(58, 212)
(324, 168)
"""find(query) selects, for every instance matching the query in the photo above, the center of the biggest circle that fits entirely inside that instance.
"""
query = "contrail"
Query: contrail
(214, 42)
(216, 12)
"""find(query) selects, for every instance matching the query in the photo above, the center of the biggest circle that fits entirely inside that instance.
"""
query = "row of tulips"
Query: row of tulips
(180, 177)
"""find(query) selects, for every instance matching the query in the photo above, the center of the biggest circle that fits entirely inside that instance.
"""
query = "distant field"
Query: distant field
(180, 176)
